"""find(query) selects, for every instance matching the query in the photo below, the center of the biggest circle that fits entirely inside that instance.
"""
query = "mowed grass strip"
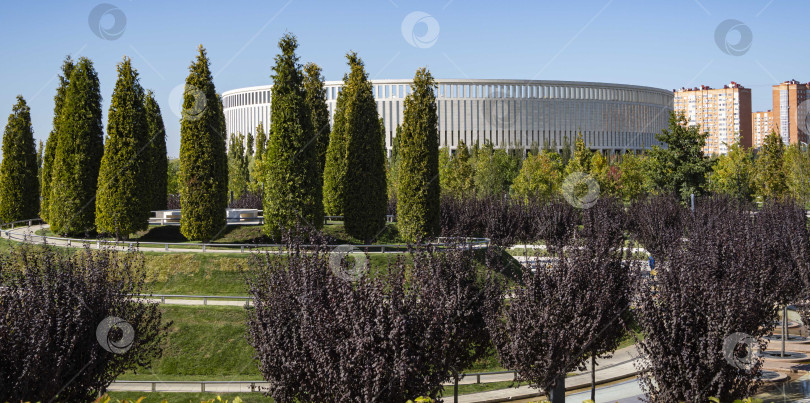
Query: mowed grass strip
(206, 343)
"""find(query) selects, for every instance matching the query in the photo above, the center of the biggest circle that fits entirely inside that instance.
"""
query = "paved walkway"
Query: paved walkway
(619, 366)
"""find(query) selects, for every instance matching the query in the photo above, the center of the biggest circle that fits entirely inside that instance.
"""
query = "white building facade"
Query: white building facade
(612, 118)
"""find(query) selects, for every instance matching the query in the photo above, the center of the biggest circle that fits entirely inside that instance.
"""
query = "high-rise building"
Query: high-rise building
(761, 126)
(724, 113)
(790, 111)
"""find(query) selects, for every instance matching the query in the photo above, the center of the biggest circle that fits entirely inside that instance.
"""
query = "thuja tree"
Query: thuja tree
(19, 187)
(418, 181)
(158, 162)
(123, 197)
(321, 337)
(237, 165)
(709, 293)
(69, 326)
(256, 166)
(74, 175)
(291, 162)
(203, 161)
(316, 99)
(53, 139)
(568, 307)
(334, 171)
(365, 201)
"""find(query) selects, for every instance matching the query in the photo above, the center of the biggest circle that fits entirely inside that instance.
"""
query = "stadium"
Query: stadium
(613, 118)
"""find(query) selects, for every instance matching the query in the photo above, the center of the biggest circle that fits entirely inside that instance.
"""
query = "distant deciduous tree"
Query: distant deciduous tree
(770, 172)
(681, 167)
(733, 174)
(539, 178)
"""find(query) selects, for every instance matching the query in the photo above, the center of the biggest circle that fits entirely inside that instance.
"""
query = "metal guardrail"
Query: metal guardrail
(472, 243)
(256, 385)
(205, 298)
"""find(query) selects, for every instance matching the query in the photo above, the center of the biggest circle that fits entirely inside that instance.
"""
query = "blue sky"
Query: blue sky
(665, 44)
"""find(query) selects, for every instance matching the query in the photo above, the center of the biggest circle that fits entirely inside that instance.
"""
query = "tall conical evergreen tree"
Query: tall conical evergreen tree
(123, 196)
(316, 100)
(291, 165)
(237, 165)
(53, 139)
(19, 187)
(334, 171)
(80, 146)
(261, 141)
(249, 146)
(256, 165)
(203, 162)
(418, 194)
(158, 160)
(365, 200)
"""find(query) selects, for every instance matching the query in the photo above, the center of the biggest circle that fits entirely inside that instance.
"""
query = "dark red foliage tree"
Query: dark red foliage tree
(504, 221)
(657, 222)
(323, 333)
(68, 326)
(247, 200)
(568, 306)
(707, 304)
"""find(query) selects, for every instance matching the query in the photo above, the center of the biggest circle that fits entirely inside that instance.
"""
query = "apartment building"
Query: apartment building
(761, 126)
(724, 113)
(790, 111)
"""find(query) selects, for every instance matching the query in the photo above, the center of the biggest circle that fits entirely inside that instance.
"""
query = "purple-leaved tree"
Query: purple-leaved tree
(69, 326)
(709, 301)
(568, 306)
(324, 333)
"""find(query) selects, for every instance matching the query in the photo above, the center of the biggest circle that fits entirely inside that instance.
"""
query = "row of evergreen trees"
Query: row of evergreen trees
(84, 184)
(310, 169)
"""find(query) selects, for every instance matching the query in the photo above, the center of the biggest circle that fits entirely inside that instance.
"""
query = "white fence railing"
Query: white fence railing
(6, 230)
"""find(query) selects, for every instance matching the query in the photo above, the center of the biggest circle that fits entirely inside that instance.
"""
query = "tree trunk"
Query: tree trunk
(557, 393)
(455, 387)
(593, 377)
(784, 329)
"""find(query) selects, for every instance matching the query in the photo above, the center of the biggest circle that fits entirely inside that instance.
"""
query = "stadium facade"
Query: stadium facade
(612, 118)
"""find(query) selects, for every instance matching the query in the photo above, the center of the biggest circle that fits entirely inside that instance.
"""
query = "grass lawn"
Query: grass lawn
(206, 342)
